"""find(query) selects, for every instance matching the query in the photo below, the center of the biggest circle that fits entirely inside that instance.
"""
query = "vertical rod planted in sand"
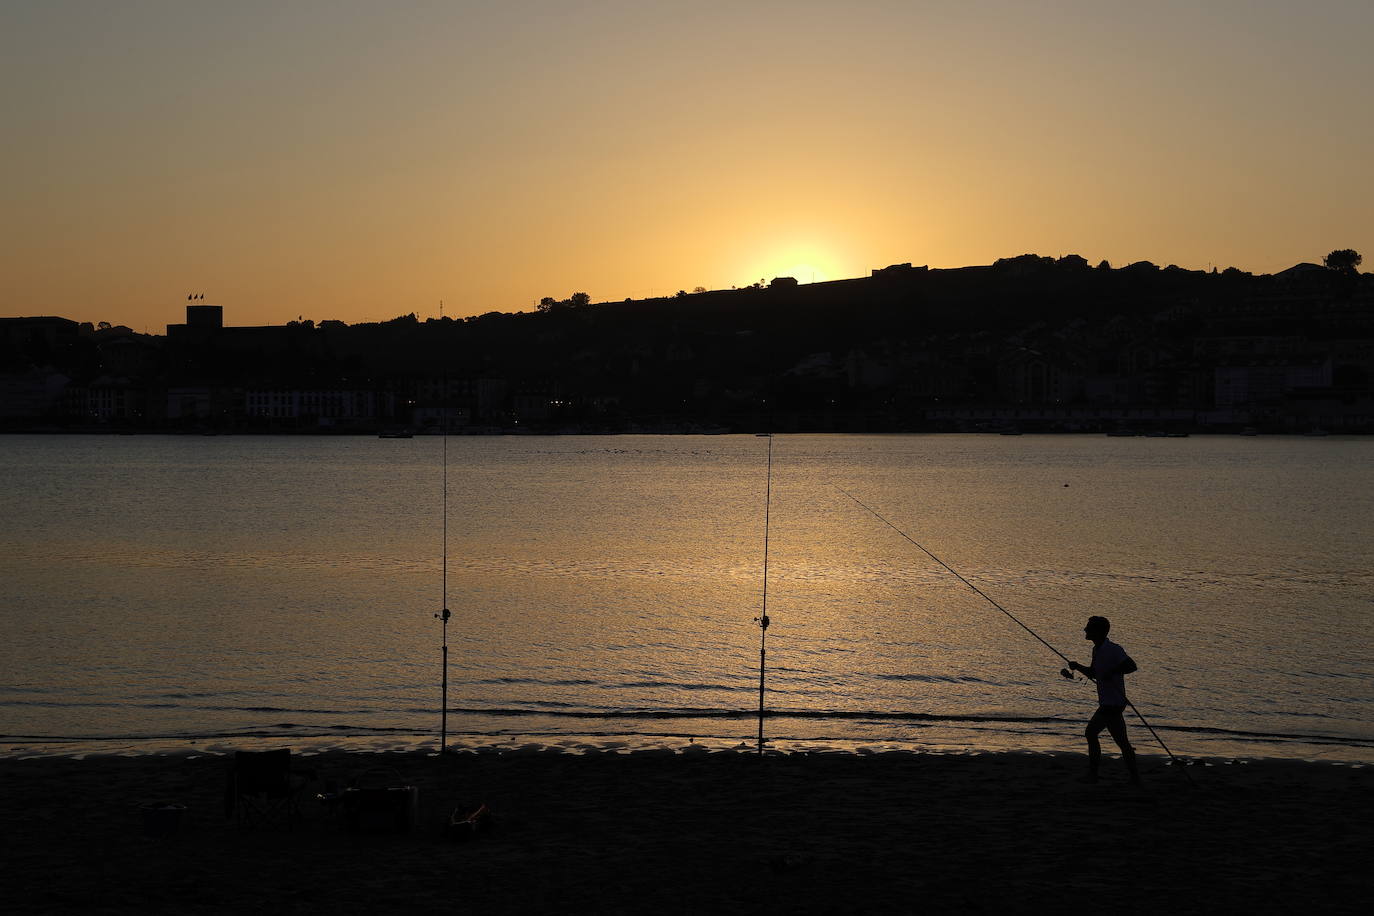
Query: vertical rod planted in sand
(443, 405)
(763, 618)
(443, 702)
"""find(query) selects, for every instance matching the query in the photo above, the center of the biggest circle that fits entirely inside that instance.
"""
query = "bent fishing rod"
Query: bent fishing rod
(1063, 671)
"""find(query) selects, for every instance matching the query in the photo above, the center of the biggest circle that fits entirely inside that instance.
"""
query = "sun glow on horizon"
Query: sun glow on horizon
(803, 264)
(633, 150)
(807, 273)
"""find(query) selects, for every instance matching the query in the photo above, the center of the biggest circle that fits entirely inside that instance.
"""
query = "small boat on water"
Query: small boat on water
(1249, 431)
(395, 434)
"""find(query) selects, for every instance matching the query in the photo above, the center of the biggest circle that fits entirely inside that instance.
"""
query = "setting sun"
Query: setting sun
(430, 416)
(806, 273)
(294, 171)
(805, 264)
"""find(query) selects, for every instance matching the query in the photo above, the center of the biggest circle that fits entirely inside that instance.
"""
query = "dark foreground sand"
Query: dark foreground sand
(705, 833)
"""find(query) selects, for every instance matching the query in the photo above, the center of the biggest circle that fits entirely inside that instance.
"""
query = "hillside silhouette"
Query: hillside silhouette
(1029, 342)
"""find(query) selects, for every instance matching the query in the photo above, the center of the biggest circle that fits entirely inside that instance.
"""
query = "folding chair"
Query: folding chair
(263, 789)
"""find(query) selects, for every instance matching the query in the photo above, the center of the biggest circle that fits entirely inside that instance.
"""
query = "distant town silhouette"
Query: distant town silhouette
(1027, 344)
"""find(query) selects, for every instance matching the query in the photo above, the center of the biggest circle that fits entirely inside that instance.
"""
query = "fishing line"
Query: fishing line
(1018, 621)
(954, 573)
(762, 620)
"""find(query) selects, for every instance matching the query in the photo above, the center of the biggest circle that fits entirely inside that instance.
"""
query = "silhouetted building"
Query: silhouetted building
(107, 399)
(896, 271)
(1268, 384)
(31, 394)
(202, 322)
(202, 403)
(205, 317)
(19, 334)
(317, 407)
(468, 400)
(535, 402)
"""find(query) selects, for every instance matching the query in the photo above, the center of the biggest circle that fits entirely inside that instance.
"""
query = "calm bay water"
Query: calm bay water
(216, 588)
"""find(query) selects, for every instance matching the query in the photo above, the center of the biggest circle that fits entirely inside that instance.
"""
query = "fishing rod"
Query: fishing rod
(762, 620)
(1063, 671)
(446, 614)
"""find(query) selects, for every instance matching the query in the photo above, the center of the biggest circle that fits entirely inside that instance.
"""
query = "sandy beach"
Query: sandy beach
(701, 831)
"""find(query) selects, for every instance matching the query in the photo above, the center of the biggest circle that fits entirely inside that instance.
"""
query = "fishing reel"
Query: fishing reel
(444, 616)
(762, 622)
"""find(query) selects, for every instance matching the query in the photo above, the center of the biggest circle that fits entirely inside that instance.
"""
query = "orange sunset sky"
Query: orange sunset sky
(360, 160)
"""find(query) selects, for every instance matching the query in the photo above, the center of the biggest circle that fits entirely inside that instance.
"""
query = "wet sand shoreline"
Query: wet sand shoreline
(701, 831)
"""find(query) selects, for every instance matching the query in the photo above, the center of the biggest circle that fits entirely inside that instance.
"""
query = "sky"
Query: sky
(360, 160)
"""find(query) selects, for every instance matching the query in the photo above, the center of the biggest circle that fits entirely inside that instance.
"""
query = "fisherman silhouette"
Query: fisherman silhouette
(1109, 667)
